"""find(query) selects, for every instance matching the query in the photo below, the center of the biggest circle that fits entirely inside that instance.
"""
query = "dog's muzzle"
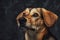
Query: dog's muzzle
(23, 21)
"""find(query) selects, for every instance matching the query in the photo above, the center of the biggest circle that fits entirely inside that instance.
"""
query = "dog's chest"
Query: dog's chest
(31, 35)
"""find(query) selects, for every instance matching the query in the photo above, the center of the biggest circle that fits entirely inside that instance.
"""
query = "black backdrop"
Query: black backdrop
(9, 9)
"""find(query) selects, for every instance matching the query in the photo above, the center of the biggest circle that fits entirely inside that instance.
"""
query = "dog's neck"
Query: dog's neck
(32, 34)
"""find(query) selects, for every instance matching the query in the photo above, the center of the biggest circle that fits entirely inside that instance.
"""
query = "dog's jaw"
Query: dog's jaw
(35, 27)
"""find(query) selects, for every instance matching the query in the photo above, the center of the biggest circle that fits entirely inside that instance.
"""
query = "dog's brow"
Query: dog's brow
(33, 10)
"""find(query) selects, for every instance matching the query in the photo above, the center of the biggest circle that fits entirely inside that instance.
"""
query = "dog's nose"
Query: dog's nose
(22, 20)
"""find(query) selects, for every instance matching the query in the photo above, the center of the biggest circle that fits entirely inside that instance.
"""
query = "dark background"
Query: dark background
(9, 9)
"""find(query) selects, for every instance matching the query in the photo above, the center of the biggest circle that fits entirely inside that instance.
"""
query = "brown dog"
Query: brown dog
(38, 19)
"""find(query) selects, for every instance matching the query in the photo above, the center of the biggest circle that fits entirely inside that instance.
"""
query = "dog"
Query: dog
(37, 21)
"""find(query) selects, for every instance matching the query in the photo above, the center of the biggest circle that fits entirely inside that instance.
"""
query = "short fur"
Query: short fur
(38, 20)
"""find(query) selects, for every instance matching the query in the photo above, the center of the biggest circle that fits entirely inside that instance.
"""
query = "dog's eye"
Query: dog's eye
(35, 15)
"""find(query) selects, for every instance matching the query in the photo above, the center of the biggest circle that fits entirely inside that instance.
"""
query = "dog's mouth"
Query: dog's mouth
(33, 27)
(30, 27)
(37, 26)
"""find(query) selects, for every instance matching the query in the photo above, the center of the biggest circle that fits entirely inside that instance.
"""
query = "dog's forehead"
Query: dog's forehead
(31, 11)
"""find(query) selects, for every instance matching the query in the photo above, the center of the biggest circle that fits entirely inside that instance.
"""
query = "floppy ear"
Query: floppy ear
(49, 17)
(18, 17)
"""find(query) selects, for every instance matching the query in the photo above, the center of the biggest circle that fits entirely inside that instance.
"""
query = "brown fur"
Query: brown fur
(37, 23)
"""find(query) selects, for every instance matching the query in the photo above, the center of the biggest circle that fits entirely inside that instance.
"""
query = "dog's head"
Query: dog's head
(36, 18)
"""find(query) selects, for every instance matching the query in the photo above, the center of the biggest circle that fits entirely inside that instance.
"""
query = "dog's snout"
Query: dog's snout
(22, 20)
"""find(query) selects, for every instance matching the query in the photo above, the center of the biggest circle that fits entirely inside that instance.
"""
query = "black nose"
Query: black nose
(22, 20)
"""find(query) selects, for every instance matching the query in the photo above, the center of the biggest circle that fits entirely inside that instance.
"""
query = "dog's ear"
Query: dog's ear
(18, 17)
(49, 17)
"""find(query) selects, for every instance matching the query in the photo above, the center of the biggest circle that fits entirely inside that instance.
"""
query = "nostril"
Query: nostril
(22, 20)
